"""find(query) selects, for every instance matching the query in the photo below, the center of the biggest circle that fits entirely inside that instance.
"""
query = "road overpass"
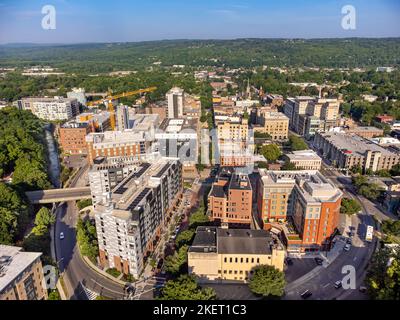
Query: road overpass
(58, 195)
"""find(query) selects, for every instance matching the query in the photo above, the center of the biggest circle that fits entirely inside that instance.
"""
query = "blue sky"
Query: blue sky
(131, 20)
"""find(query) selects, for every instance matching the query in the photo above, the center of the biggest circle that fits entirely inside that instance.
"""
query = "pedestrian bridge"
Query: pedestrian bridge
(58, 195)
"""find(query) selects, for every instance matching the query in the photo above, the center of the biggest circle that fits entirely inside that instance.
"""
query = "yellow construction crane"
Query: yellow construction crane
(110, 98)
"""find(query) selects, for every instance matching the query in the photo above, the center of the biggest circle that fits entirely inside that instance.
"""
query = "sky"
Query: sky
(78, 21)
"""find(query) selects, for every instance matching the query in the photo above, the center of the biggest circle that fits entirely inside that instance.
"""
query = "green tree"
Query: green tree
(198, 218)
(87, 239)
(13, 214)
(184, 238)
(267, 281)
(350, 206)
(44, 217)
(289, 166)
(176, 263)
(383, 275)
(297, 143)
(81, 204)
(54, 295)
(271, 152)
(186, 288)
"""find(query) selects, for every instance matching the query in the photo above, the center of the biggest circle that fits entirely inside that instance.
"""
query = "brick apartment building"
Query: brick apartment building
(116, 144)
(303, 205)
(72, 137)
(230, 199)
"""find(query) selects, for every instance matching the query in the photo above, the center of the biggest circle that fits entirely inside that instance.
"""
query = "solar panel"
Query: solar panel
(122, 188)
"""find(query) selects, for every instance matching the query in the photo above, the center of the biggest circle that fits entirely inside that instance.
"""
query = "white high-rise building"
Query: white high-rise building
(122, 117)
(175, 98)
(57, 108)
(78, 94)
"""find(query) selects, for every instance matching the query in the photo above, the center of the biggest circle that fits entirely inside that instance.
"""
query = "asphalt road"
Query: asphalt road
(321, 281)
(75, 271)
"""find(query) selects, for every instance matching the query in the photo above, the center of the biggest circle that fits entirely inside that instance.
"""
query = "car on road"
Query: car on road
(289, 261)
(347, 247)
(62, 236)
(349, 241)
(362, 289)
(318, 261)
(306, 294)
(338, 284)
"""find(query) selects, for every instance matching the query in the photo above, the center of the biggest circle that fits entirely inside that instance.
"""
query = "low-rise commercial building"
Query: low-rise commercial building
(230, 199)
(349, 150)
(72, 137)
(366, 132)
(230, 255)
(305, 159)
(134, 217)
(21, 275)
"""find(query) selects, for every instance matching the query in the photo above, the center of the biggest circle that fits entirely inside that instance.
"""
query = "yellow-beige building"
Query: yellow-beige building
(21, 275)
(276, 124)
(230, 255)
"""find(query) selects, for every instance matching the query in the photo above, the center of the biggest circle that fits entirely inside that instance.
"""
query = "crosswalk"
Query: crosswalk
(91, 295)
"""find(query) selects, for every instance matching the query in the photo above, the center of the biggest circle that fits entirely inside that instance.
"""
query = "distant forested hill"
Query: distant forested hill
(357, 52)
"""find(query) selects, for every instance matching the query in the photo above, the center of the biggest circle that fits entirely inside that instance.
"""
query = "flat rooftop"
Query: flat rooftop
(13, 261)
(353, 143)
(275, 116)
(232, 241)
(303, 155)
(177, 125)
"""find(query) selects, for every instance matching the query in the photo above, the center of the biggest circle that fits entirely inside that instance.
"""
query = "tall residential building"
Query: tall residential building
(117, 143)
(72, 137)
(235, 146)
(78, 94)
(179, 138)
(122, 117)
(57, 108)
(230, 199)
(349, 150)
(276, 124)
(21, 275)
(308, 115)
(316, 213)
(175, 98)
(106, 173)
(307, 203)
(134, 217)
(226, 255)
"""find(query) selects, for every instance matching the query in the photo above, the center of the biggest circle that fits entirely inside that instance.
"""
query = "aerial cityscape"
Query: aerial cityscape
(225, 165)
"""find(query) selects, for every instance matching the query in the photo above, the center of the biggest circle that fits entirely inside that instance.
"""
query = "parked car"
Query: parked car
(362, 289)
(338, 284)
(306, 294)
(62, 236)
(319, 261)
(349, 241)
(347, 247)
(289, 261)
